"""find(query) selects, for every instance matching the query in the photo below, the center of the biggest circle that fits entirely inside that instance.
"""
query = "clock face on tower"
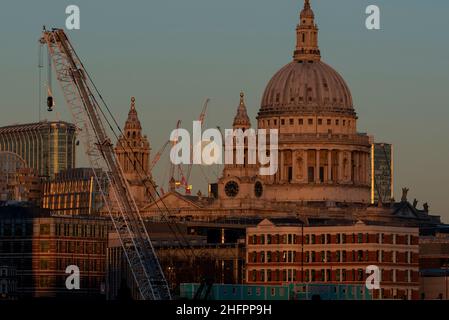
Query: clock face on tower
(258, 189)
(231, 189)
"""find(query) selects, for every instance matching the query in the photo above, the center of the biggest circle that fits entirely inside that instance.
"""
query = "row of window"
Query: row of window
(67, 187)
(77, 201)
(309, 97)
(61, 229)
(81, 230)
(328, 275)
(59, 281)
(274, 239)
(80, 247)
(310, 121)
(73, 247)
(95, 265)
(332, 239)
(289, 256)
(15, 229)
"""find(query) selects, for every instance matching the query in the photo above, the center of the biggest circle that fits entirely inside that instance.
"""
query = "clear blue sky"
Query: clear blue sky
(171, 54)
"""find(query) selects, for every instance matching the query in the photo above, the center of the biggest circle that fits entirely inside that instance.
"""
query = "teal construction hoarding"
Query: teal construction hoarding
(292, 291)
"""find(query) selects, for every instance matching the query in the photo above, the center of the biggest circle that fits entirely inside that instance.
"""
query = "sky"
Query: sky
(173, 54)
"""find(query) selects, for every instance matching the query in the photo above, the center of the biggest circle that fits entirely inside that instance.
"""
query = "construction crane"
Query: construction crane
(82, 98)
(158, 155)
(174, 142)
(176, 173)
(203, 111)
(201, 120)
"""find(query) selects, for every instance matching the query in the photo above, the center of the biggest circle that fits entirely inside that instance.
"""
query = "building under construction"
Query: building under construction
(184, 258)
(75, 192)
(17, 181)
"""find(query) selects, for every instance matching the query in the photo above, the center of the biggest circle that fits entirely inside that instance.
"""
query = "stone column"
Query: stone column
(303, 154)
(349, 169)
(317, 167)
(295, 168)
(368, 168)
(360, 163)
(329, 165)
(340, 166)
(306, 167)
(281, 167)
(356, 164)
(294, 164)
(363, 168)
(360, 167)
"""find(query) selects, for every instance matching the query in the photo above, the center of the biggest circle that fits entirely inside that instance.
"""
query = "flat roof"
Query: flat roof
(35, 126)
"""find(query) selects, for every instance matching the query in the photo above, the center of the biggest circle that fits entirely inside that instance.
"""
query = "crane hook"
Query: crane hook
(50, 100)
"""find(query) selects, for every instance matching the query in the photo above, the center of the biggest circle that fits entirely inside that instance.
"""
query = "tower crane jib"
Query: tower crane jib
(82, 98)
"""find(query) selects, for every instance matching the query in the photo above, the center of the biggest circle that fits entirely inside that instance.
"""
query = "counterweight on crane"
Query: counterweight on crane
(82, 98)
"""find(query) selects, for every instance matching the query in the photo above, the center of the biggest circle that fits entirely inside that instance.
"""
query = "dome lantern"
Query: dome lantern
(307, 36)
(307, 85)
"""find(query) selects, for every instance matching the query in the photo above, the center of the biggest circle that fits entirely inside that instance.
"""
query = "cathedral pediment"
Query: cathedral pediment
(405, 210)
(174, 200)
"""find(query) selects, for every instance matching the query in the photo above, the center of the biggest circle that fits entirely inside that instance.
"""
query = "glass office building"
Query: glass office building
(382, 171)
(47, 147)
(75, 192)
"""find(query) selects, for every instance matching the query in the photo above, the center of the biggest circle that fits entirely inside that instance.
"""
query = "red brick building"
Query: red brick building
(280, 252)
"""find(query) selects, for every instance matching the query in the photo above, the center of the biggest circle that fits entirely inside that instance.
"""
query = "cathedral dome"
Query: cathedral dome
(307, 87)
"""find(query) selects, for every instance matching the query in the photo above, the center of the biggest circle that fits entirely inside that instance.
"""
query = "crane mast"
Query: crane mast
(201, 120)
(82, 96)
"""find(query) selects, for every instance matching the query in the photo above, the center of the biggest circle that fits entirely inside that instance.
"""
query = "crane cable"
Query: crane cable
(144, 180)
(40, 65)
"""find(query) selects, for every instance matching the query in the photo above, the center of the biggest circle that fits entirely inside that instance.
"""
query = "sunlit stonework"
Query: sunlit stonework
(324, 163)
(135, 166)
(322, 156)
